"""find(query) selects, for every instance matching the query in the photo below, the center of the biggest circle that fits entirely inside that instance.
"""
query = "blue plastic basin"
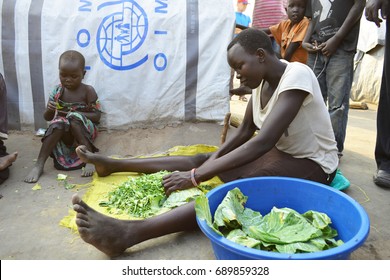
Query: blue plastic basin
(348, 217)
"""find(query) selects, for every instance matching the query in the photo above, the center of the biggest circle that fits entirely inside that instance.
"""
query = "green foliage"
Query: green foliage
(139, 196)
(144, 196)
(282, 230)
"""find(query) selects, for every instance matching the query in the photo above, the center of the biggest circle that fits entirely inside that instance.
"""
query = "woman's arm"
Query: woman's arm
(283, 113)
(277, 122)
(240, 135)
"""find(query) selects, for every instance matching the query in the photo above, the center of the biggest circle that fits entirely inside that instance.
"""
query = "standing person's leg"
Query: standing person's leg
(317, 62)
(382, 147)
(339, 77)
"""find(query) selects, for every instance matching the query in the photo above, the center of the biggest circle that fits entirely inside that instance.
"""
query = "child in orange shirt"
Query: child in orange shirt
(290, 33)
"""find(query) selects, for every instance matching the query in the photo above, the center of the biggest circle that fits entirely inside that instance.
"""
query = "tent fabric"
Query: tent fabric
(152, 62)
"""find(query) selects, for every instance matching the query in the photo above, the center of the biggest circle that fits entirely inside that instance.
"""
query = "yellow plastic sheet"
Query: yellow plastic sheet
(101, 186)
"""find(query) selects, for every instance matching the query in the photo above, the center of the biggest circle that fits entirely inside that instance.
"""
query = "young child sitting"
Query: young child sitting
(73, 110)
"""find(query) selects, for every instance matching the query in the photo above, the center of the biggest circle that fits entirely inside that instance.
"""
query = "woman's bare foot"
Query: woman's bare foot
(7, 160)
(101, 167)
(109, 235)
(88, 170)
(34, 174)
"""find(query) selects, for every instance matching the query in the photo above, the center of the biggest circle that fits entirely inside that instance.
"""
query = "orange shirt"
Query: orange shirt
(284, 34)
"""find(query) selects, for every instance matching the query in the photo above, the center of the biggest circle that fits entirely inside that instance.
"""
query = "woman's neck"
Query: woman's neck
(276, 73)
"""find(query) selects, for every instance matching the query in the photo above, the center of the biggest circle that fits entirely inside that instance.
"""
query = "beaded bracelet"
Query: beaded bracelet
(193, 177)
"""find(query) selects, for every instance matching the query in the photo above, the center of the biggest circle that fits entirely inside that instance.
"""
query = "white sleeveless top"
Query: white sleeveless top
(310, 135)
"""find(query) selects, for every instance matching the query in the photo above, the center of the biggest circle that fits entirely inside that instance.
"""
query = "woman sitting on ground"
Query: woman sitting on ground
(295, 140)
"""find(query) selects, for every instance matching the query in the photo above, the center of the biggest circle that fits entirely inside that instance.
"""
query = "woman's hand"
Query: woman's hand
(177, 181)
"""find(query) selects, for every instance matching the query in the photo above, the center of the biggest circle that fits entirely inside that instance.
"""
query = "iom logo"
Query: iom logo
(121, 34)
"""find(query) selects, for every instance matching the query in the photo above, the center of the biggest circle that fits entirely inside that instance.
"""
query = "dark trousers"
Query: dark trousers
(382, 148)
(3, 106)
(4, 174)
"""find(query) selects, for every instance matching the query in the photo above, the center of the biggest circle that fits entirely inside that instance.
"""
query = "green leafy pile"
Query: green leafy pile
(282, 230)
(144, 196)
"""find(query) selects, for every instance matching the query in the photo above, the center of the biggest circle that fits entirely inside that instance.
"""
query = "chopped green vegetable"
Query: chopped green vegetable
(144, 196)
(61, 177)
(139, 197)
(37, 187)
(68, 185)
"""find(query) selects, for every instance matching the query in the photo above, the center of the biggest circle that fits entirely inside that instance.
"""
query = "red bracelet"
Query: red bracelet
(193, 177)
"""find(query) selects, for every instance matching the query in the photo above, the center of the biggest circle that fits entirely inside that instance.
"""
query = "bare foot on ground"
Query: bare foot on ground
(34, 174)
(7, 160)
(109, 235)
(102, 169)
(88, 170)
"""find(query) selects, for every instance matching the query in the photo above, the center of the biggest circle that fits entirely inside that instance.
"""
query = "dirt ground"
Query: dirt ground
(29, 224)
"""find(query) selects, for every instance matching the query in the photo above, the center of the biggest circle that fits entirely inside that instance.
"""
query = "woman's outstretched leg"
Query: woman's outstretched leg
(104, 165)
(113, 236)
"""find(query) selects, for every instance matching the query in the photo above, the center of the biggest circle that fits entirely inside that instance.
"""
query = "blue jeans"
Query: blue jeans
(335, 76)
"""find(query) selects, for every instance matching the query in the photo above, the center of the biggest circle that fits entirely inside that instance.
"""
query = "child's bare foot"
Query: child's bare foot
(109, 235)
(102, 169)
(7, 160)
(34, 174)
(88, 170)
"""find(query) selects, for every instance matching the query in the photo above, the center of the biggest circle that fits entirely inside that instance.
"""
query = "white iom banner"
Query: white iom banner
(152, 62)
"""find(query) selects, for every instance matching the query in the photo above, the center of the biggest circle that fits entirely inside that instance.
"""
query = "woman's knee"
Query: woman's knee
(199, 159)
